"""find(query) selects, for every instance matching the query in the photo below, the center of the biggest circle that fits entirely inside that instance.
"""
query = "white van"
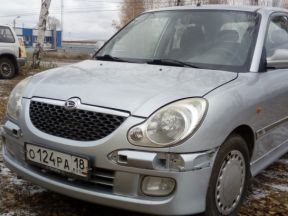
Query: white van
(10, 53)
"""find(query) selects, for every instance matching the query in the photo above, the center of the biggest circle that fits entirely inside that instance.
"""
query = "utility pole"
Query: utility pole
(14, 22)
(62, 24)
(39, 48)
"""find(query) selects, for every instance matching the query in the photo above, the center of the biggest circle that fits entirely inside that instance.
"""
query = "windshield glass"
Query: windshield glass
(205, 39)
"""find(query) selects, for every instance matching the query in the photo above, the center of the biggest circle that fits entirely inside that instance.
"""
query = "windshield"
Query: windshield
(205, 39)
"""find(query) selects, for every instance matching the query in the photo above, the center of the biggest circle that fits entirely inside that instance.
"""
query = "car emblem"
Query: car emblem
(72, 104)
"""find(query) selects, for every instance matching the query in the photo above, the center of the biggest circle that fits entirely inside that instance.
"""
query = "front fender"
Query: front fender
(230, 106)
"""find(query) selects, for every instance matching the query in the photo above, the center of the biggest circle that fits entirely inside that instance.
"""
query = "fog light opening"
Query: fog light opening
(157, 186)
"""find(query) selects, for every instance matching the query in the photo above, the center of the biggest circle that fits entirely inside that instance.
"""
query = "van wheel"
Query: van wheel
(229, 180)
(7, 68)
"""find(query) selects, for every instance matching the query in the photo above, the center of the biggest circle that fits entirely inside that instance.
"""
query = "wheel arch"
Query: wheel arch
(247, 133)
(12, 58)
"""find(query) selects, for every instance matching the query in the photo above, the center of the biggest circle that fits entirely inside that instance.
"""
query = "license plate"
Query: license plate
(57, 161)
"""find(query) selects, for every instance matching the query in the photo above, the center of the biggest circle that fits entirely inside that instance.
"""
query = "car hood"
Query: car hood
(137, 88)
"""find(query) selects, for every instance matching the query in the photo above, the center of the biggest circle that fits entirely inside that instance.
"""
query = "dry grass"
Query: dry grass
(60, 55)
(6, 86)
(66, 56)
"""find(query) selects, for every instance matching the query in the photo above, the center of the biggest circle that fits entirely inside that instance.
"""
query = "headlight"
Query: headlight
(14, 102)
(170, 124)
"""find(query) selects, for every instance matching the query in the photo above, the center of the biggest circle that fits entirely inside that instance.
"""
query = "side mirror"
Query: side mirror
(279, 59)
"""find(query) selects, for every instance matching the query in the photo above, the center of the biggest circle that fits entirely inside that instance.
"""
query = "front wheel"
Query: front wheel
(7, 68)
(229, 179)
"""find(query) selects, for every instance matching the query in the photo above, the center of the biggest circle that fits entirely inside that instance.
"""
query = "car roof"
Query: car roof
(224, 7)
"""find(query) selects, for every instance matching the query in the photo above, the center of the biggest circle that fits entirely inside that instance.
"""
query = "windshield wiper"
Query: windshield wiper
(171, 62)
(109, 58)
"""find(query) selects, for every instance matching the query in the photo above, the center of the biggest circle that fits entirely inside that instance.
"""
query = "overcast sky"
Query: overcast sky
(83, 19)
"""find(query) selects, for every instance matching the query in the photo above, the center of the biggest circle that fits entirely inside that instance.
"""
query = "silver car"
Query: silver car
(174, 115)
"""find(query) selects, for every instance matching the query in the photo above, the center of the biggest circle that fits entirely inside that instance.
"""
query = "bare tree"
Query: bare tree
(214, 1)
(164, 3)
(179, 3)
(129, 10)
(285, 3)
(53, 23)
(116, 25)
(277, 3)
(38, 51)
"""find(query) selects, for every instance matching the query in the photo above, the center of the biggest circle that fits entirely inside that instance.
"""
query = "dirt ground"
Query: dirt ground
(268, 194)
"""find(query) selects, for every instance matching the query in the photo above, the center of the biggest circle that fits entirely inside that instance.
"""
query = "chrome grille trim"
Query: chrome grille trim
(103, 177)
(93, 183)
(83, 107)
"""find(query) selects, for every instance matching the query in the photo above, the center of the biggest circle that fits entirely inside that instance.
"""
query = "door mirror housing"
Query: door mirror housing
(278, 60)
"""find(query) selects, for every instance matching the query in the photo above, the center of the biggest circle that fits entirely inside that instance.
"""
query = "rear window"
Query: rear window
(6, 35)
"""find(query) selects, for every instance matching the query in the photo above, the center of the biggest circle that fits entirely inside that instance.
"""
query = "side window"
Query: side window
(277, 37)
(6, 35)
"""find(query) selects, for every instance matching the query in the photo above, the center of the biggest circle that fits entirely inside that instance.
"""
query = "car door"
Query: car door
(273, 121)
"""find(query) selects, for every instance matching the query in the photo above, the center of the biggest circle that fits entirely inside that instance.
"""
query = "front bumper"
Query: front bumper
(124, 190)
(188, 198)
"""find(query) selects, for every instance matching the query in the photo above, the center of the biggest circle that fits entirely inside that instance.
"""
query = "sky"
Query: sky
(82, 19)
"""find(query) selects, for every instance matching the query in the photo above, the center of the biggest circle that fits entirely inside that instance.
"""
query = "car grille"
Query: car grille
(101, 180)
(103, 177)
(79, 125)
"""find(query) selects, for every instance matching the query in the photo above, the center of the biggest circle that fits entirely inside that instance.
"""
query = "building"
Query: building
(52, 37)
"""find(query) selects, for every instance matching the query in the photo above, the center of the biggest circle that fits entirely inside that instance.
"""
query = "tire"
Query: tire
(7, 68)
(230, 178)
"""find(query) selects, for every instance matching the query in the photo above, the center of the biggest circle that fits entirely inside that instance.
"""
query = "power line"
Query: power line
(59, 12)
(90, 9)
